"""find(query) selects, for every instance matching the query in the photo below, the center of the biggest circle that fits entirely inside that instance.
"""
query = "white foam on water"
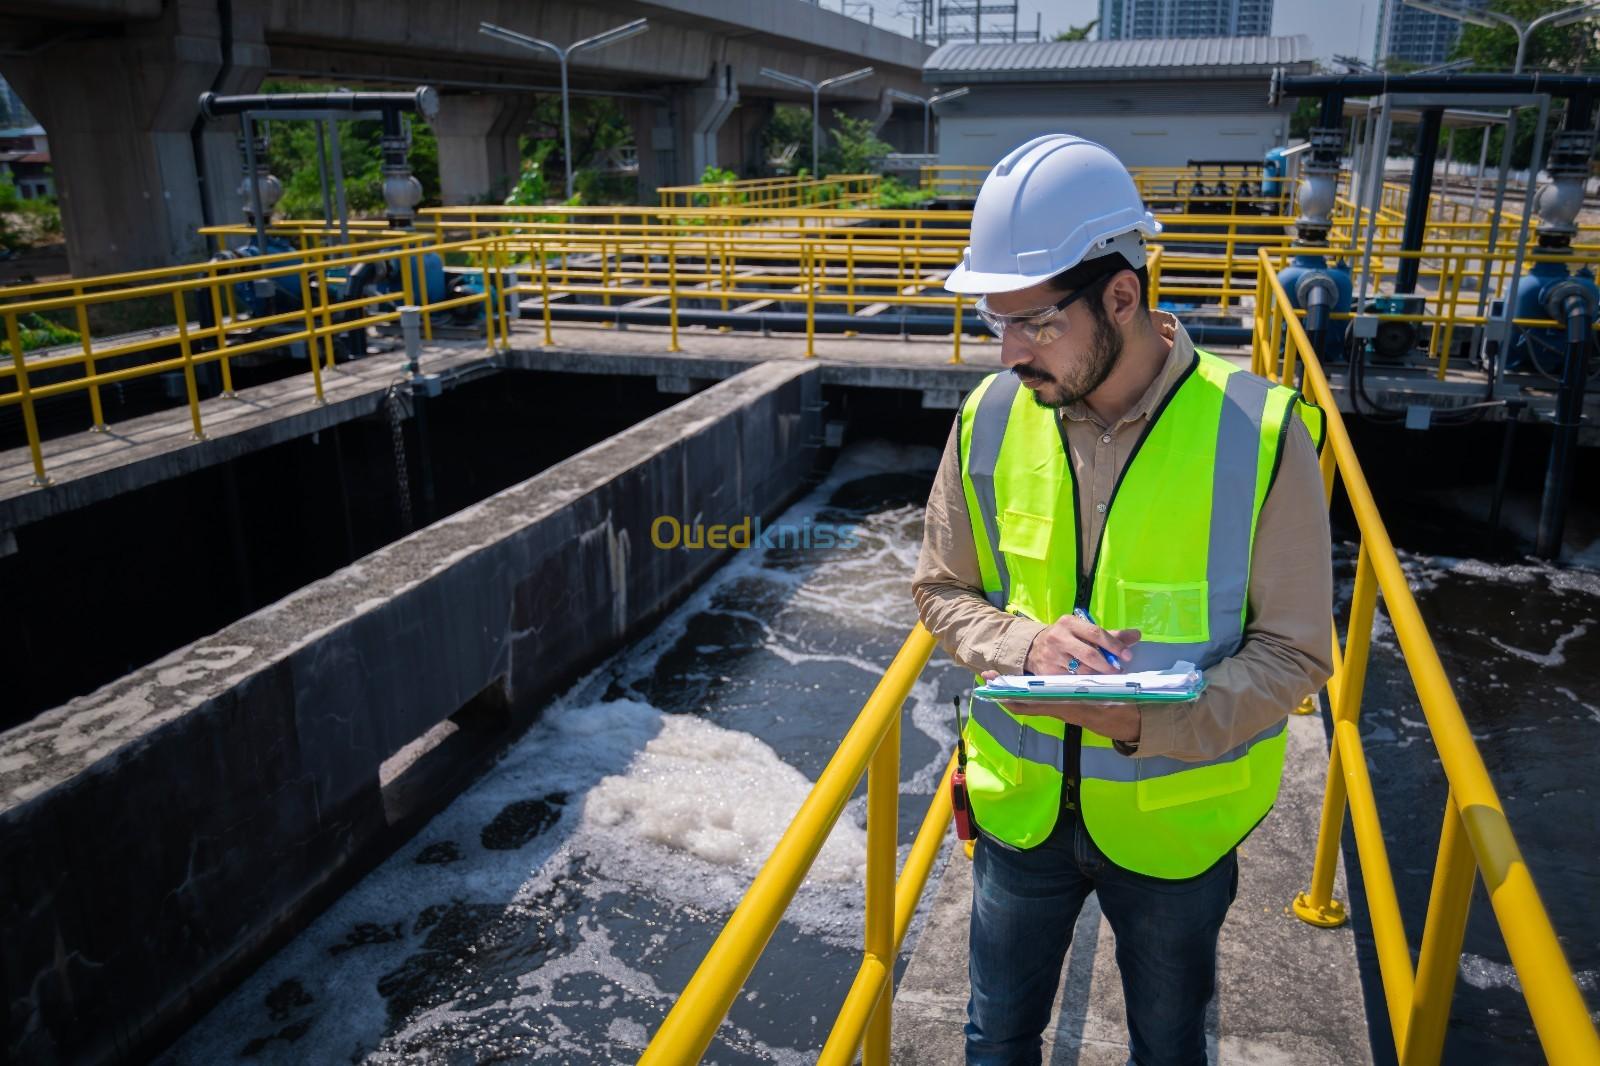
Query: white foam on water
(1554, 657)
(1480, 972)
(714, 793)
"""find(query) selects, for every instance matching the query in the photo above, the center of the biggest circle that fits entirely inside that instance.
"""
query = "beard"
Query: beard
(1105, 348)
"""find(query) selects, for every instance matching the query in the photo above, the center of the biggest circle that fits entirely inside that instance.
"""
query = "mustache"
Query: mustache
(1029, 374)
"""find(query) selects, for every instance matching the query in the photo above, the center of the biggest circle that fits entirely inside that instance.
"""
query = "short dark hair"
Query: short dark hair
(1092, 270)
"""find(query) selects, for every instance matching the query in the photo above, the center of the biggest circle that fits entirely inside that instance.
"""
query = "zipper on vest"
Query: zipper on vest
(1074, 734)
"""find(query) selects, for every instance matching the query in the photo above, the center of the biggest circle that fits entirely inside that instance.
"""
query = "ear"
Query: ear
(1122, 297)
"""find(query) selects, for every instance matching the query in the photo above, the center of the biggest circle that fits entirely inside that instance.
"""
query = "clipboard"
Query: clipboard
(1132, 692)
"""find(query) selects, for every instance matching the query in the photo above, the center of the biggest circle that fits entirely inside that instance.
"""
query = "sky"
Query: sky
(1344, 27)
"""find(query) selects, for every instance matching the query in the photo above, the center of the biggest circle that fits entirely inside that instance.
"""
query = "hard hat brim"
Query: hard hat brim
(978, 283)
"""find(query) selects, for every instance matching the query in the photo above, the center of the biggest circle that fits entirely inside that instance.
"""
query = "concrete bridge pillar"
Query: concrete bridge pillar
(707, 109)
(121, 113)
(655, 138)
(479, 155)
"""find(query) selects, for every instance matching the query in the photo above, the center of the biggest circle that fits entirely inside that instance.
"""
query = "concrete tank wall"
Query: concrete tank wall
(161, 835)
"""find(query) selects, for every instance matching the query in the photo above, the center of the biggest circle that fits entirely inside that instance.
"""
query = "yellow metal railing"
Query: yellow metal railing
(871, 747)
(213, 288)
(1476, 838)
(732, 257)
(834, 191)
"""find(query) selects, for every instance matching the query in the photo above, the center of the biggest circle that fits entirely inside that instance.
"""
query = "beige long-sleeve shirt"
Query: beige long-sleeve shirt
(1286, 652)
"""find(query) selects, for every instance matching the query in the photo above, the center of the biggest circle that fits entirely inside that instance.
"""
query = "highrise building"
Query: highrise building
(1416, 37)
(1126, 19)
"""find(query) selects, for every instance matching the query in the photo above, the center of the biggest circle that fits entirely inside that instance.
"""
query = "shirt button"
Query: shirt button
(1100, 507)
(1105, 438)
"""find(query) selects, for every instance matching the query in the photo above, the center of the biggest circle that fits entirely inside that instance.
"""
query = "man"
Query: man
(1114, 473)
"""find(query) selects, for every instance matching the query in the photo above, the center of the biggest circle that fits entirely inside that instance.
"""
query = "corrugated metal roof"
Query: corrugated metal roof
(1161, 57)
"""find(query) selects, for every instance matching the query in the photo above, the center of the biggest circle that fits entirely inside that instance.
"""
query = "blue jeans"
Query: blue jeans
(1024, 906)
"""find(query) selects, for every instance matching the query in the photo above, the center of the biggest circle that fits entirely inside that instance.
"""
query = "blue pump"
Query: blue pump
(285, 292)
(1542, 348)
(1300, 277)
(1273, 170)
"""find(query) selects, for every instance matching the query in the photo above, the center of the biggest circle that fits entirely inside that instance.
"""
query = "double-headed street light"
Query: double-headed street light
(815, 89)
(1494, 19)
(599, 40)
(927, 108)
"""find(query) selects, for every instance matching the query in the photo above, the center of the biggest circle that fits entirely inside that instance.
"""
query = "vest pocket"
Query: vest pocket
(1024, 534)
(1166, 612)
(1194, 785)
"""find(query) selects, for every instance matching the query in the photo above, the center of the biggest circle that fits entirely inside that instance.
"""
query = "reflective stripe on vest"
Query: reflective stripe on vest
(1197, 484)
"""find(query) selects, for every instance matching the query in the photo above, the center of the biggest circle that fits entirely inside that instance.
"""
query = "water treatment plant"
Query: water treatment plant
(479, 629)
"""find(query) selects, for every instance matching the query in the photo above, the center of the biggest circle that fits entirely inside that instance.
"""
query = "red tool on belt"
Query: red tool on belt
(958, 784)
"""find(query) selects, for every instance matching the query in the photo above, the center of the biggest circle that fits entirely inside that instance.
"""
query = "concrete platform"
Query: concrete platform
(1288, 994)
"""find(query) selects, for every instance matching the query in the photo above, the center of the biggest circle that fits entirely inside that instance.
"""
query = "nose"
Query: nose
(1013, 350)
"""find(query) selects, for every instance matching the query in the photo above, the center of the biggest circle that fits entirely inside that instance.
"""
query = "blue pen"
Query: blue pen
(1112, 659)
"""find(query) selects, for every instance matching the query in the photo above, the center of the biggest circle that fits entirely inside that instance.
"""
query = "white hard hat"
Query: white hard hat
(1051, 204)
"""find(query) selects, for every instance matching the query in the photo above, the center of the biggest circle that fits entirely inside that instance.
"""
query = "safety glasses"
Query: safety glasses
(1041, 325)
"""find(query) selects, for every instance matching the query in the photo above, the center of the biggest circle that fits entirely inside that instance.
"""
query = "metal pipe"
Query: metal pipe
(920, 324)
(423, 100)
(321, 127)
(1564, 443)
(1509, 301)
(338, 185)
(1342, 85)
(1421, 194)
(247, 127)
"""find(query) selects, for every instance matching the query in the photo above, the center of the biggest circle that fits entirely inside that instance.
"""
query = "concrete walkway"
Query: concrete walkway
(1287, 993)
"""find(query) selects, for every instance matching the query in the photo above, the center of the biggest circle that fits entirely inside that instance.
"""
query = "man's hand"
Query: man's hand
(1077, 638)
(1119, 721)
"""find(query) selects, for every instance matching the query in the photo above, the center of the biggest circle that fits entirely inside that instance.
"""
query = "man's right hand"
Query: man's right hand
(1077, 638)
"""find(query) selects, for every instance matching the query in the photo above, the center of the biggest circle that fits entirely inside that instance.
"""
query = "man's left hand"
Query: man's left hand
(1118, 721)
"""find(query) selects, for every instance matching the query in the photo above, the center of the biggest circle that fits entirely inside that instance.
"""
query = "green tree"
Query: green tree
(1570, 49)
(1078, 33)
(856, 148)
(788, 125)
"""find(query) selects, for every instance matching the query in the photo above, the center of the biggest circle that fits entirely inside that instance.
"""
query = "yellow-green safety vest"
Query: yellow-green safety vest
(1173, 561)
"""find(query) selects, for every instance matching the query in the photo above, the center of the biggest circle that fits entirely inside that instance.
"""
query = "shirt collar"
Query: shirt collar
(1179, 356)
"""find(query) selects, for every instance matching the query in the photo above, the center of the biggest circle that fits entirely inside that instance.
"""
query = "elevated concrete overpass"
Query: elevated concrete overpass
(114, 83)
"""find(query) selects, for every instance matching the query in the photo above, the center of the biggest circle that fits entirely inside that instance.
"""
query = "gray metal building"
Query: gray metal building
(1153, 102)
(1132, 19)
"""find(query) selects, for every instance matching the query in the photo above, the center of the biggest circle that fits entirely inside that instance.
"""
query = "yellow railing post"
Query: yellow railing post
(883, 825)
(311, 331)
(1453, 875)
(30, 424)
(672, 292)
(186, 350)
(544, 293)
(808, 269)
(82, 315)
(1317, 906)
(216, 285)
(955, 349)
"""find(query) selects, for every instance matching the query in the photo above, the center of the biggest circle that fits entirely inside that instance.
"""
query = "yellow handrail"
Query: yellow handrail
(1476, 838)
(871, 746)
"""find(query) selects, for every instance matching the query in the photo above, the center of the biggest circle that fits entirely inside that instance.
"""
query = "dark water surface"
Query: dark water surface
(1520, 643)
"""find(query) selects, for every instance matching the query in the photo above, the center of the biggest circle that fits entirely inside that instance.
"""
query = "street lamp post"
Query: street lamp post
(927, 108)
(599, 40)
(815, 89)
(1492, 19)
